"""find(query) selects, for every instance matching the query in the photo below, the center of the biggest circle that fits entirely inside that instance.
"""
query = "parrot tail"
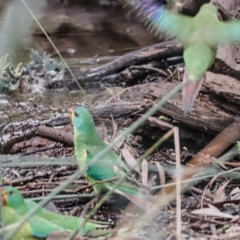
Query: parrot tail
(190, 92)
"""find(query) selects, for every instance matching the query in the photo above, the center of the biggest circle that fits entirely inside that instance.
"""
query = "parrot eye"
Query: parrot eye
(10, 193)
(76, 114)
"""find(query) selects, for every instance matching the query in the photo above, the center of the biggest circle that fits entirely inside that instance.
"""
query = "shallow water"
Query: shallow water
(80, 32)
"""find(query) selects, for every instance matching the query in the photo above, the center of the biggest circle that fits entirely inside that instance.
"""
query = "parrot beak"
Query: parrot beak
(70, 112)
(3, 196)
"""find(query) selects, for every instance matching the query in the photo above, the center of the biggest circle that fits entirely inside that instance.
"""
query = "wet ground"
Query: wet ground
(82, 32)
(85, 30)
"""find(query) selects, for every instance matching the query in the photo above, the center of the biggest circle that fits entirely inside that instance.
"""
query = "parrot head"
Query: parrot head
(81, 119)
(10, 196)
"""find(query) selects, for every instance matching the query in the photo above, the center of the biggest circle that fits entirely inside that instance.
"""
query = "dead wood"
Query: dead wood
(55, 135)
(225, 15)
(124, 69)
(229, 53)
(226, 88)
(13, 133)
(9, 136)
(211, 113)
(121, 109)
(156, 52)
(220, 66)
(218, 145)
(33, 161)
(191, 7)
(135, 74)
(205, 116)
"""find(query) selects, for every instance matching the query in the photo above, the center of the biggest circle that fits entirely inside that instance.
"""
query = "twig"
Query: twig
(178, 183)
(55, 135)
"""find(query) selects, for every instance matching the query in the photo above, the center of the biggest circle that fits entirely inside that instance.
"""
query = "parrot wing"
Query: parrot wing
(41, 228)
(109, 166)
(69, 222)
(225, 32)
(35, 227)
(173, 24)
(106, 169)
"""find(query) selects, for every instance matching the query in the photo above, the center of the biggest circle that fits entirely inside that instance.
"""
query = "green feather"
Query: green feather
(205, 26)
(21, 206)
(9, 216)
(87, 144)
(204, 58)
(70, 222)
(200, 36)
(40, 228)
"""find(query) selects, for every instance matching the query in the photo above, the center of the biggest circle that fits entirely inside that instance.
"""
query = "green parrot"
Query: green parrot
(13, 211)
(91, 227)
(87, 144)
(9, 217)
(200, 36)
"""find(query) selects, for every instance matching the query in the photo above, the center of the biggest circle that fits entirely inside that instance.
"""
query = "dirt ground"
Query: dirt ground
(36, 139)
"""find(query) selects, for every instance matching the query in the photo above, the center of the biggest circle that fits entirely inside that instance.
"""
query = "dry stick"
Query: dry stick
(218, 145)
(55, 135)
(230, 154)
(178, 183)
(87, 206)
(34, 161)
(213, 172)
(90, 195)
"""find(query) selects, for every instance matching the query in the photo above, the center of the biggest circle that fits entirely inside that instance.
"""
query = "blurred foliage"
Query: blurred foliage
(9, 74)
(16, 25)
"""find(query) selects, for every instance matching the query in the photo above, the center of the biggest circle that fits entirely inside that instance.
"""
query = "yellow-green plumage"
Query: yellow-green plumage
(200, 36)
(14, 210)
(87, 144)
(15, 199)
(90, 227)
(9, 218)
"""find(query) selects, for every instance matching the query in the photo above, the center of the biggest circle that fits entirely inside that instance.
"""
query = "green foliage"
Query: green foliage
(9, 74)
(46, 66)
